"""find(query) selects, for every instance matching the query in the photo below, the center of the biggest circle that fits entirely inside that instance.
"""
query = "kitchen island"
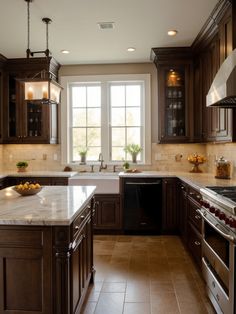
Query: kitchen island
(46, 250)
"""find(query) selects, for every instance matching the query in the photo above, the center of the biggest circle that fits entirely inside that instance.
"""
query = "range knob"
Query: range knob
(212, 209)
(206, 204)
(227, 220)
(222, 216)
(232, 222)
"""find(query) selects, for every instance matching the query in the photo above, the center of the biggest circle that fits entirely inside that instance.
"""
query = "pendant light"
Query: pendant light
(42, 87)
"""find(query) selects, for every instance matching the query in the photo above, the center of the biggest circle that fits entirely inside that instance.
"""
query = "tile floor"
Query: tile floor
(145, 274)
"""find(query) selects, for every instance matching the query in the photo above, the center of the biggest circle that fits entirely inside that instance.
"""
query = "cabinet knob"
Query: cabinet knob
(191, 193)
(76, 227)
(197, 243)
(182, 187)
(82, 217)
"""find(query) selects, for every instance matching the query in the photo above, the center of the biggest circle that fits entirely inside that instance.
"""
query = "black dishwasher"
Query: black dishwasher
(142, 205)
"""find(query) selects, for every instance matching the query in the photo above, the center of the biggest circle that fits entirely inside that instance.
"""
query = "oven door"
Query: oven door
(218, 258)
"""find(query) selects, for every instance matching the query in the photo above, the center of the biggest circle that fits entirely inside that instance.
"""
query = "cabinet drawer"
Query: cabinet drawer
(195, 243)
(193, 215)
(78, 222)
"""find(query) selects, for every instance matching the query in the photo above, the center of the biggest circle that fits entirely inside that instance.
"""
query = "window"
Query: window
(104, 114)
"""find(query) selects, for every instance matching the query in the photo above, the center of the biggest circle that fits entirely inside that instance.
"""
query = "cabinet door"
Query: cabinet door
(81, 265)
(108, 214)
(169, 208)
(174, 103)
(194, 243)
(182, 210)
(25, 271)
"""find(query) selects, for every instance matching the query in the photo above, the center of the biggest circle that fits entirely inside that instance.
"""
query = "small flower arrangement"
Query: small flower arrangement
(196, 160)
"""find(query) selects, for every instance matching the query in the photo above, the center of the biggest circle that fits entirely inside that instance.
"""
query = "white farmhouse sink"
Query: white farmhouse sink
(105, 182)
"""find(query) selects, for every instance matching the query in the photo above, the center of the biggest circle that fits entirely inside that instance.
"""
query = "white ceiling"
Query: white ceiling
(142, 24)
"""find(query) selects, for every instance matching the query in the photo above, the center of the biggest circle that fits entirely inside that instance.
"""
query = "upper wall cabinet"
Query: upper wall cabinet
(210, 49)
(2, 62)
(25, 121)
(174, 67)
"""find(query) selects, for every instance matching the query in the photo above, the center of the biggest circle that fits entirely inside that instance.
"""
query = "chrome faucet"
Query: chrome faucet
(102, 166)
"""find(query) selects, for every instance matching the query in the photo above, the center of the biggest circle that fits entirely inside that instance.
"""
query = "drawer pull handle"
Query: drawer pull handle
(191, 193)
(197, 217)
(197, 243)
(76, 227)
(82, 217)
(199, 197)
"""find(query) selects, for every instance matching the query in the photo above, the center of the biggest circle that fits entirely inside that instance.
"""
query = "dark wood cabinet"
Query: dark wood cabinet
(174, 66)
(2, 62)
(169, 205)
(182, 191)
(41, 180)
(194, 224)
(81, 262)
(46, 269)
(27, 121)
(195, 243)
(108, 213)
(211, 47)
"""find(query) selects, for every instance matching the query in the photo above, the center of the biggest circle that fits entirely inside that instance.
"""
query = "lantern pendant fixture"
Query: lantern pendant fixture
(42, 87)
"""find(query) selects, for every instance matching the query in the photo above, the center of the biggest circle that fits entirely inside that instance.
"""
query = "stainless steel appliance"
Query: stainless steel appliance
(218, 208)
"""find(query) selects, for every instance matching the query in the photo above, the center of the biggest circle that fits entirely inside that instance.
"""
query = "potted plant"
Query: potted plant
(133, 150)
(83, 154)
(22, 165)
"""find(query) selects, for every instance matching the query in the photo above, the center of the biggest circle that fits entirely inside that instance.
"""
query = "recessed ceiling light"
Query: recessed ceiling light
(172, 32)
(65, 51)
(131, 49)
(106, 25)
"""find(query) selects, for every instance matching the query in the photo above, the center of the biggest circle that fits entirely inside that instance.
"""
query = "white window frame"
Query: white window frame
(66, 81)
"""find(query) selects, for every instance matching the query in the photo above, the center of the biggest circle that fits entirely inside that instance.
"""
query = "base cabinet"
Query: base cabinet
(46, 269)
(169, 205)
(108, 213)
(182, 190)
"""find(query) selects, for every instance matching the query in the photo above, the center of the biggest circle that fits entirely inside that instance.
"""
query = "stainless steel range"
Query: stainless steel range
(218, 210)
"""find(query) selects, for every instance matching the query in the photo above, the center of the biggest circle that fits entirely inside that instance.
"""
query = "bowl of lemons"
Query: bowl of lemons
(27, 188)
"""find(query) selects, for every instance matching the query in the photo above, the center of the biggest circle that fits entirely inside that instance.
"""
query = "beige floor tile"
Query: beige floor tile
(137, 308)
(93, 296)
(110, 303)
(192, 307)
(161, 287)
(114, 287)
(137, 292)
(166, 303)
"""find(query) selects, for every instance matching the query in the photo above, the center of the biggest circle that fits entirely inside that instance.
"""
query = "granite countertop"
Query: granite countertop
(66, 174)
(197, 180)
(53, 205)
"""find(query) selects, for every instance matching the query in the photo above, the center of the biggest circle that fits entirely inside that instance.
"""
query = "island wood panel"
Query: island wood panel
(25, 267)
(46, 269)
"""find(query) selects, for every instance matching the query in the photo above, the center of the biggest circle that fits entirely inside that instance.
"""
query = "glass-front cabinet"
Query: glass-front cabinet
(26, 121)
(174, 74)
(174, 103)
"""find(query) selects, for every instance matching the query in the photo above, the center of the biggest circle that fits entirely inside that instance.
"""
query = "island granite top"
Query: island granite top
(53, 205)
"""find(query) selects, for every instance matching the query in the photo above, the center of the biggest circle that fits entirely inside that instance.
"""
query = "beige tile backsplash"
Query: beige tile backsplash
(47, 157)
